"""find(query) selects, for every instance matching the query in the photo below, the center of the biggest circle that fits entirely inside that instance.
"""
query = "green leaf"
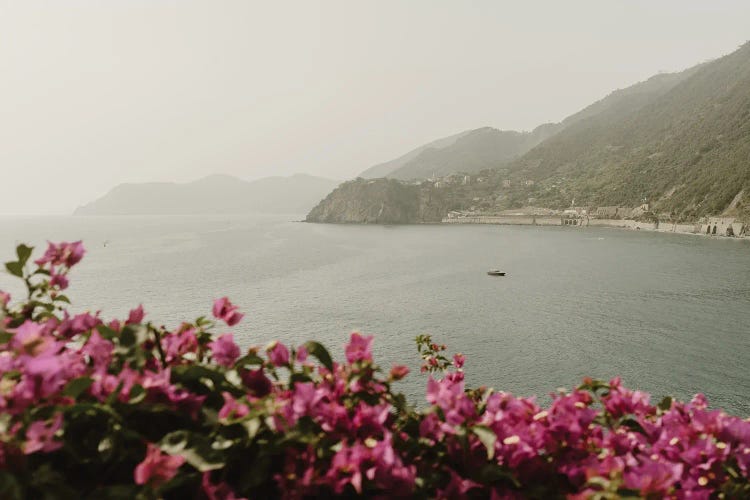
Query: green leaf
(194, 373)
(665, 404)
(250, 359)
(77, 386)
(106, 332)
(493, 473)
(488, 438)
(5, 337)
(196, 449)
(299, 378)
(320, 352)
(14, 268)
(632, 424)
(137, 394)
(23, 252)
(62, 298)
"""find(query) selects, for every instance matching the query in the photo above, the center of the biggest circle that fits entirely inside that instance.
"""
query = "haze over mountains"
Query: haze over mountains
(216, 194)
(474, 150)
(679, 141)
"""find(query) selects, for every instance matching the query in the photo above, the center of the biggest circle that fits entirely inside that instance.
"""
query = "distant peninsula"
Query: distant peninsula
(215, 194)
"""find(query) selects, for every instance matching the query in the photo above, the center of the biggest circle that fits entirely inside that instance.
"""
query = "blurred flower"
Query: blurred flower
(226, 311)
(359, 348)
(278, 354)
(156, 468)
(224, 350)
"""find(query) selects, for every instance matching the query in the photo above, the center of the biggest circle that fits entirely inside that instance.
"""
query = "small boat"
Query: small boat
(495, 272)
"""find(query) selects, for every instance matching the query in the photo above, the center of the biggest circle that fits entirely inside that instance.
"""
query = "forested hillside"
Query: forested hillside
(685, 150)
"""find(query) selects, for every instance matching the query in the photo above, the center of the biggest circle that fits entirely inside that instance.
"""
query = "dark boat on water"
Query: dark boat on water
(495, 272)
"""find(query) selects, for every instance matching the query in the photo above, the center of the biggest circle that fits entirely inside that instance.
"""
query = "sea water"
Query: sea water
(668, 313)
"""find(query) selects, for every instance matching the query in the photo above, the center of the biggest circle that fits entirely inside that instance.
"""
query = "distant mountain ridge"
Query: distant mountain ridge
(214, 194)
(469, 151)
(472, 151)
(384, 169)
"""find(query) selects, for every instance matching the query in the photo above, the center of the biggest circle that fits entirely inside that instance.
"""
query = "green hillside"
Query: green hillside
(686, 150)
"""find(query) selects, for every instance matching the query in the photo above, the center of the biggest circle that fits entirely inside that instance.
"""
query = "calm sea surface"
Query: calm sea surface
(669, 313)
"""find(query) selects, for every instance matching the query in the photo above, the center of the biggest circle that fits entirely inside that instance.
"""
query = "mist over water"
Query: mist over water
(669, 313)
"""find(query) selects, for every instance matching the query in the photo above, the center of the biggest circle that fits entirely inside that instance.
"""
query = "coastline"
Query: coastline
(694, 229)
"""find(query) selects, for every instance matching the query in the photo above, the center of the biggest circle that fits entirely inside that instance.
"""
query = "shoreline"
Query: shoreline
(695, 229)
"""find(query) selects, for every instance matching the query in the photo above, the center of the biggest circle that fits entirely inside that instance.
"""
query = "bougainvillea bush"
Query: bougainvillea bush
(95, 408)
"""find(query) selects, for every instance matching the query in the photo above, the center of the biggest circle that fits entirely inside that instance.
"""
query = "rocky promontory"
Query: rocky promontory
(380, 201)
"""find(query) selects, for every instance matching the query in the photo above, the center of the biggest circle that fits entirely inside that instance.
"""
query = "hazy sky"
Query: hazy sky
(95, 93)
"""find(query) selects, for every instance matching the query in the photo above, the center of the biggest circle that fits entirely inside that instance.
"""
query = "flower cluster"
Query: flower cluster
(91, 408)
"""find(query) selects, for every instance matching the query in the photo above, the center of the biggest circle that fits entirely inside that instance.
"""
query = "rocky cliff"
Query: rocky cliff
(380, 201)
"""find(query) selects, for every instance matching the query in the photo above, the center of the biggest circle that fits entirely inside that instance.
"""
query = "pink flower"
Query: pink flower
(99, 350)
(622, 401)
(226, 311)
(224, 350)
(359, 348)
(136, 315)
(157, 468)
(450, 397)
(278, 354)
(80, 323)
(231, 408)
(62, 254)
(398, 372)
(458, 360)
(177, 344)
(653, 477)
(257, 383)
(306, 397)
(31, 338)
(302, 354)
(59, 280)
(40, 436)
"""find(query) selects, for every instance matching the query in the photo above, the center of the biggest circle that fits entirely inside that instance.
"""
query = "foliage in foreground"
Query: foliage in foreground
(127, 409)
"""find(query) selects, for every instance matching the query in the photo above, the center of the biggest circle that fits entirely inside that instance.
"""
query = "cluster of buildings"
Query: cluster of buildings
(455, 180)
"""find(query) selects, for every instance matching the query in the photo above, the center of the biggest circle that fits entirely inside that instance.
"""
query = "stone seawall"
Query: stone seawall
(669, 227)
(511, 220)
(626, 224)
(546, 220)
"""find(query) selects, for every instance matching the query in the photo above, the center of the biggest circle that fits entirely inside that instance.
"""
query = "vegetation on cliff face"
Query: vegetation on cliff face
(686, 150)
(379, 201)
